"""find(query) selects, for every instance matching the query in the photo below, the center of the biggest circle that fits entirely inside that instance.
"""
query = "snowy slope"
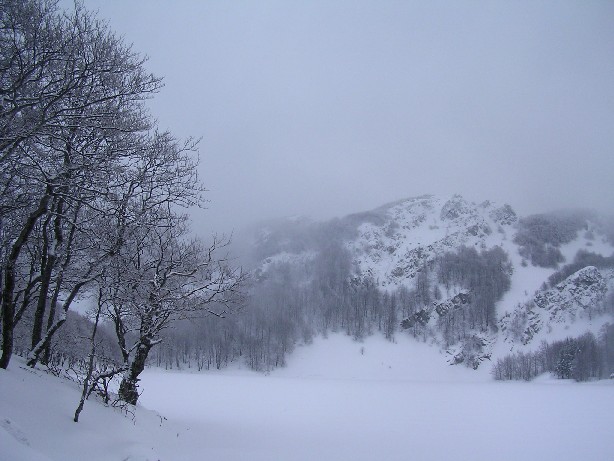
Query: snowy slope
(391, 244)
(36, 423)
(413, 232)
(374, 358)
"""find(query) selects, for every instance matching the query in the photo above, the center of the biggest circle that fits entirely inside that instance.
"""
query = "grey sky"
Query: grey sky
(329, 107)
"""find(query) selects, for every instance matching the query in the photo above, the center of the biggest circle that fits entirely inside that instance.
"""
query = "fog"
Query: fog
(324, 108)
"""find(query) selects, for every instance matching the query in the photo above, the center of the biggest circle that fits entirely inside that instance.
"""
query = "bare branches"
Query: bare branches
(92, 193)
(160, 277)
(71, 118)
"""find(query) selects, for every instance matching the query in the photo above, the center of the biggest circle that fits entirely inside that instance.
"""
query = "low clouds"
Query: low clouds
(326, 108)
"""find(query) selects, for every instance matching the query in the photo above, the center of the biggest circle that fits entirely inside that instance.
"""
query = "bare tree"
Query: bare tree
(71, 100)
(161, 276)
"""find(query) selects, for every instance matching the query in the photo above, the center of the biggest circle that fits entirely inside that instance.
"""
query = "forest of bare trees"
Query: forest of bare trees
(93, 193)
(290, 303)
(583, 358)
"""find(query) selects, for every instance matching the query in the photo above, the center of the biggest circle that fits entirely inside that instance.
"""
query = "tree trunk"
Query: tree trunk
(42, 345)
(49, 259)
(8, 303)
(90, 365)
(41, 305)
(128, 389)
(51, 319)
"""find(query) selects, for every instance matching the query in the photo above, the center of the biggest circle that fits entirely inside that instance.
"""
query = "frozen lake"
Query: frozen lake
(310, 411)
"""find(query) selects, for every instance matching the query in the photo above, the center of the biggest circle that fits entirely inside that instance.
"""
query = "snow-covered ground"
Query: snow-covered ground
(336, 400)
(36, 423)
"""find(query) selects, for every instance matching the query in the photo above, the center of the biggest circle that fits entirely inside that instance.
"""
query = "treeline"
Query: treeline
(290, 304)
(582, 259)
(540, 236)
(582, 359)
(93, 200)
(293, 302)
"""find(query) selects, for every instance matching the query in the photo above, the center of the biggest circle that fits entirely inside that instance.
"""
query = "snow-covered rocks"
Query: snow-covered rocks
(415, 231)
(580, 296)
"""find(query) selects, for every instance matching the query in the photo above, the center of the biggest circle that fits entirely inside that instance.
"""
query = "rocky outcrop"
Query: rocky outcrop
(454, 303)
(456, 207)
(580, 295)
(471, 351)
(414, 232)
(423, 316)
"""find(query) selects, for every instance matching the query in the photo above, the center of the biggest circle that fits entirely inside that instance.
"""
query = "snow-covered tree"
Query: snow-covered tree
(91, 190)
(160, 275)
(71, 100)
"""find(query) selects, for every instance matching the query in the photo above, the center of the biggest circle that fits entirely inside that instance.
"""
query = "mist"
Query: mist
(331, 107)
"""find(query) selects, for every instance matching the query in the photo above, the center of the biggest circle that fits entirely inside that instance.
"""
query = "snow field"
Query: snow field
(334, 403)
(336, 400)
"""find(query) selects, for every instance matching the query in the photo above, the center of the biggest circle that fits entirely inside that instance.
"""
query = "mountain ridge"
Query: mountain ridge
(392, 245)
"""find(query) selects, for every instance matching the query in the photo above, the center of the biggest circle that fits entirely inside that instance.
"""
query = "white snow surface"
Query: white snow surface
(336, 400)
(36, 423)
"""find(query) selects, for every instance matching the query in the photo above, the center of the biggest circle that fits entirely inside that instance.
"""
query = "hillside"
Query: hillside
(475, 281)
(36, 412)
(422, 255)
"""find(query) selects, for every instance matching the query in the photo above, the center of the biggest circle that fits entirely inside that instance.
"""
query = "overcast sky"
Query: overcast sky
(323, 108)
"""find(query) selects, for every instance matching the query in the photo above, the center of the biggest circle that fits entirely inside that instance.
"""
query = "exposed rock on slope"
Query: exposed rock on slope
(423, 316)
(579, 296)
(413, 232)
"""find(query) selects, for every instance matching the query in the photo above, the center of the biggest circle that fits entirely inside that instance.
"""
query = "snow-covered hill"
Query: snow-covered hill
(36, 423)
(413, 232)
(404, 245)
